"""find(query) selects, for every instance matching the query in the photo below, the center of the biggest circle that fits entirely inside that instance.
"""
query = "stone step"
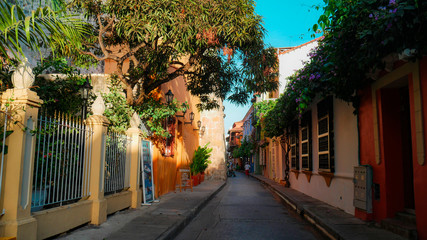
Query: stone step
(402, 228)
(406, 217)
(410, 211)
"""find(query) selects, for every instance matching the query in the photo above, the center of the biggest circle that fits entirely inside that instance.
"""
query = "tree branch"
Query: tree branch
(101, 33)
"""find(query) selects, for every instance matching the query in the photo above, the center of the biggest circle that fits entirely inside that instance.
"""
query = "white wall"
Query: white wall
(292, 61)
(341, 191)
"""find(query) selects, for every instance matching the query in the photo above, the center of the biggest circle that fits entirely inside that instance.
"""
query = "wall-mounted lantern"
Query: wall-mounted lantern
(199, 124)
(169, 97)
(191, 119)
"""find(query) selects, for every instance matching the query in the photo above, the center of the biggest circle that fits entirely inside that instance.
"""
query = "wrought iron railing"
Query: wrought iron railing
(115, 162)
(62, 161)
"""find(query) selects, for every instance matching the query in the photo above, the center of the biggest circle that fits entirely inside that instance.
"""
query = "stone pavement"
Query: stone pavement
(162, 220)
(333, 222)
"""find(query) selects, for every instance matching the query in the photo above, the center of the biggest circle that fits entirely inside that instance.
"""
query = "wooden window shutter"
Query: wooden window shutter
(306, 139)
(294, 146)
(325, 134)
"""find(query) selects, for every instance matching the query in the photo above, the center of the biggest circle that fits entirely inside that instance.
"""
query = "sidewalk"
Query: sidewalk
(162, 220)
(333, 222)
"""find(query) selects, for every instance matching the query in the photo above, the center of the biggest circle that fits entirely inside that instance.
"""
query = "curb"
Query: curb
(301, 210)
(176, 228)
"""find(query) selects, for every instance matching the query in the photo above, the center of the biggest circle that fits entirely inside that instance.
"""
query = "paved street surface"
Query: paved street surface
(244, 209)
(161, 220)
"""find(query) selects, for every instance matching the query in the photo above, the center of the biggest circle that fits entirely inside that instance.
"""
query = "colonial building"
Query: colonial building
(370, 164)
(392, 119)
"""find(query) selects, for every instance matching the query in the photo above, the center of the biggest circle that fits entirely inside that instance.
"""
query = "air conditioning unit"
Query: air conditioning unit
(363, 188)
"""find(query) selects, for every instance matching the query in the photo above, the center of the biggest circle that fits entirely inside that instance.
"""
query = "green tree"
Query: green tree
(246, 149)
(216, 44)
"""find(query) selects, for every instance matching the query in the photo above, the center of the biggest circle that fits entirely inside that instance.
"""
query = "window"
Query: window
(325, 134)
(306, 147)
(169, 142)
(294, 146)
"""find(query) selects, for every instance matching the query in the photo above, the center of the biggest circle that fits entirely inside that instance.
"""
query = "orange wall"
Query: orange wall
(187, 140)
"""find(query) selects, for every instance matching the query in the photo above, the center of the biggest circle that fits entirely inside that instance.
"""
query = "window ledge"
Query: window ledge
(328, 177)
(308, 174)
(296, 172)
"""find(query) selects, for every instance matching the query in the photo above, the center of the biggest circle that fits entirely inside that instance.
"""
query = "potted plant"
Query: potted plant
(200, 162)
(194, 171)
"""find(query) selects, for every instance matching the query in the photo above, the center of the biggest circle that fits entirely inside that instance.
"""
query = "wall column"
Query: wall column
(99, 124)
(134, 134)
(22, 105)
(213, 121)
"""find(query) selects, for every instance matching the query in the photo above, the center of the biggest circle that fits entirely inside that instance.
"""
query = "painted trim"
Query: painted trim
(407, 69)
(299, 46)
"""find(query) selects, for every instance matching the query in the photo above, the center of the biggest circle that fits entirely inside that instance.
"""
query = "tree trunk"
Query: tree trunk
(129, 95)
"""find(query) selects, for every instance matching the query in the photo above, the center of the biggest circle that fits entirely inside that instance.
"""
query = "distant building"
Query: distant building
(233, 140)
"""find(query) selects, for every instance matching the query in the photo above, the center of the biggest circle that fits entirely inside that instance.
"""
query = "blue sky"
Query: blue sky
(287, 23)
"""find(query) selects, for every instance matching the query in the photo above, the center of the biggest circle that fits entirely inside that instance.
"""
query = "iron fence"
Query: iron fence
(62, 161)
(115, 162)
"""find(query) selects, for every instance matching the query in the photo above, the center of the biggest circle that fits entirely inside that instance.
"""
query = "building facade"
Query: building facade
(392, 121)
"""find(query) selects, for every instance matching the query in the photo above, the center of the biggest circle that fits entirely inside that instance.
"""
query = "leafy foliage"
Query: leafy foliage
(117, 111)
(217, 45)
(201, 159)
(152, 112)
(245, 149)
(261, 109)
(42, 28)
(63, 93)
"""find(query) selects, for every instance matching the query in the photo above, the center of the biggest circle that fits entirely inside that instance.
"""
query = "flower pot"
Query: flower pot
(195, 180)
(199, 178)
(202, 177)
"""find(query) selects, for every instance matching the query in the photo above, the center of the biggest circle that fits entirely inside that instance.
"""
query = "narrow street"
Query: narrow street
(244, 209)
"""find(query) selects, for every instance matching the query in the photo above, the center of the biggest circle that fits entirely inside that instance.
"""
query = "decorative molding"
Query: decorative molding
(296, 172)
(23, 76)
(135, 121)
(328, 177)
(412, 69)
(308, 175)
(98, 107)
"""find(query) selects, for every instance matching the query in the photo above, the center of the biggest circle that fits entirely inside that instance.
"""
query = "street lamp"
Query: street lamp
(84, 92)
(169, 97)
(199, 124)
(191, 119)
